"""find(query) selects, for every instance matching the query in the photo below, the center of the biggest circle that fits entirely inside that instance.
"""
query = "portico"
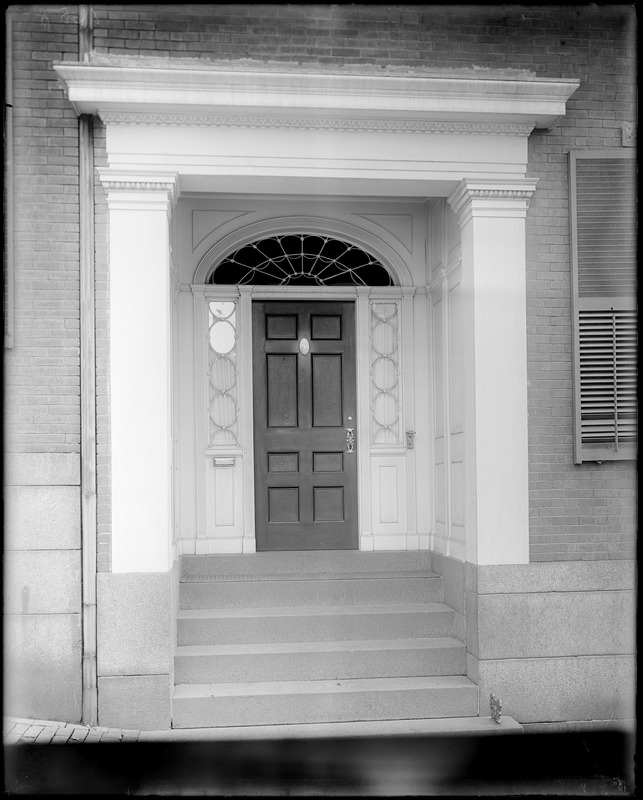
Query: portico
(426, 172)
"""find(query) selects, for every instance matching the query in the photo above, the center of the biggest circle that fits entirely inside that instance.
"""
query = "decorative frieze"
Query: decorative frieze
(374, 125)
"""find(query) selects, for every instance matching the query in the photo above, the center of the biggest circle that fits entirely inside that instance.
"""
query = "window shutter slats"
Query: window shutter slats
(605, 193)
(604, 272)
(607, 349)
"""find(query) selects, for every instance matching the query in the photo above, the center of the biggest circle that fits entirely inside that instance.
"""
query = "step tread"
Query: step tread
(427, 726)
(307, 576)
(304, 611)
(342, 686)
(432, 643)
(306, 561)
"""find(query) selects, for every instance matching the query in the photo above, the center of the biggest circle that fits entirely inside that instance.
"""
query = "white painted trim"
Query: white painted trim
(200, 405)
(362, 376)
(246, 423)
(407, 404)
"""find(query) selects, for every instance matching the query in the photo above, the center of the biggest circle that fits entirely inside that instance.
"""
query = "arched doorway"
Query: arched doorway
(304, 386)
(301, 406)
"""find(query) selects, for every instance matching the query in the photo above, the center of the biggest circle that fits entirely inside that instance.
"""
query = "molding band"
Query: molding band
(350, 125)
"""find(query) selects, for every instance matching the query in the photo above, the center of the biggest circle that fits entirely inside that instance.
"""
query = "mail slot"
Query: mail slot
(219, 461)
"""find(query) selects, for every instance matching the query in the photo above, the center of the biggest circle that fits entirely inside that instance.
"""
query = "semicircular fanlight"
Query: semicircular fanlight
(301, 259)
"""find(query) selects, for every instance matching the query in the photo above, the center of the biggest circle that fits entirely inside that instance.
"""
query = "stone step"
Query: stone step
(311, 624)
(348, 590)
(319, 561)
(413, 728)
(298, 661)
(295, 702)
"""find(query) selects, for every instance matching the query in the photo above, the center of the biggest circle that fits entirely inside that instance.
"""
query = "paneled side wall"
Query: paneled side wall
(446, 349)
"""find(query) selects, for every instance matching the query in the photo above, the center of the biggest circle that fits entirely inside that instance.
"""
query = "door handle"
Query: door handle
(350, 440)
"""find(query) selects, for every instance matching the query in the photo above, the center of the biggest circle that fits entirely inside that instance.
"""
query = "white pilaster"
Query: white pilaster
(494, 322)
(140, 365)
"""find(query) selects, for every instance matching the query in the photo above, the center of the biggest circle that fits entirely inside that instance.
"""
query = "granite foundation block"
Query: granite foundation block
(135, 702)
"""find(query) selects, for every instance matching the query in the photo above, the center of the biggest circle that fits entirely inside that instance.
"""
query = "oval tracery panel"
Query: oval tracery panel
(301, 259)
(223, 394)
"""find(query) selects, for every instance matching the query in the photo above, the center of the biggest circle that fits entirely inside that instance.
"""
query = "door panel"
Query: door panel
(282, 391)
(304, 400)
(327, 390)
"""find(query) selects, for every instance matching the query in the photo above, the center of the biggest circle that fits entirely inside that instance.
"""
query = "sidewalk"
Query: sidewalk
(42, 731)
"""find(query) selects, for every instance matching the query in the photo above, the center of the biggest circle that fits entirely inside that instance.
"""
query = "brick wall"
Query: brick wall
(577, 512)
(42, 371)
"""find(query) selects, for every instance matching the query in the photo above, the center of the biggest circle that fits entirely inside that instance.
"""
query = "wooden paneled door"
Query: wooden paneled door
(304, 425)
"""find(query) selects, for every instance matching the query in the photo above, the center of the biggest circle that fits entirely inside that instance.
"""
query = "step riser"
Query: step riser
(206, 712)
(262, 594)
(328, 562)
(261, 630)
(319, 666)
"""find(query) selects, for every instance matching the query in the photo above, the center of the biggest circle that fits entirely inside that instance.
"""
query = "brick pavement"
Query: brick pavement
(38, 731)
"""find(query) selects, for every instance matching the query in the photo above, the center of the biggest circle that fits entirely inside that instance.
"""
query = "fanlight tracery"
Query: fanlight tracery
(301, 259)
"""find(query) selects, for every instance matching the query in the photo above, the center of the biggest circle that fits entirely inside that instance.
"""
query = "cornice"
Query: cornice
(145, 85)
(370, 124)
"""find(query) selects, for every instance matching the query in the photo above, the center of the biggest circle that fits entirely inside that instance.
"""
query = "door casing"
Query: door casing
(235, 485)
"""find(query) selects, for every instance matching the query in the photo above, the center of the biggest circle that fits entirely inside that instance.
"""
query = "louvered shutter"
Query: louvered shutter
(603, 247)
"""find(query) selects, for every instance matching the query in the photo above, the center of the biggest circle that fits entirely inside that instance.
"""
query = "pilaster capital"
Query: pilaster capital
(490, 198)
(140, 190)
